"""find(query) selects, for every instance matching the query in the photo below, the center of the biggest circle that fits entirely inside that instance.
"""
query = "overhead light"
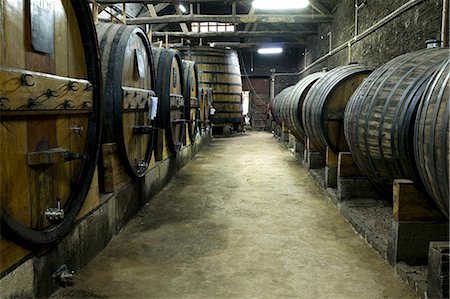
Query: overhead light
(280, 4)
(270, 50)
(182, 8)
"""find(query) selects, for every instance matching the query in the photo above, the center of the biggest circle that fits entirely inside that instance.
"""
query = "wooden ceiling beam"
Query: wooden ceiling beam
(319, 7)
(271, 19)
(232, 34)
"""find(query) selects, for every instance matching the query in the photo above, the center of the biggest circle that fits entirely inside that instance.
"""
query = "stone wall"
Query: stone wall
(406, 33)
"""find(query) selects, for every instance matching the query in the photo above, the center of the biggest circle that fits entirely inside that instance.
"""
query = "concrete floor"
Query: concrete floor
(243, 219)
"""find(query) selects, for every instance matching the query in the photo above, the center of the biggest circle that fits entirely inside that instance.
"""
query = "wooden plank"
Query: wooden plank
(115, 176)
(15, 185)
(14, 35)
(331, 159)
(231, 34)
(347, 166)
(136, 98)
(93, 197)
(33, 91)
(10, 254)
(61, 66)
(411, 204)
(245, 19)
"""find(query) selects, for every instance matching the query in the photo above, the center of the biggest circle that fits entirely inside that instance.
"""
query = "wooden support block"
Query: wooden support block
(411, 204)
(92, 198)
(347, 166)
(331, 158)
(115, 176)
(438, 270)
(159, 144)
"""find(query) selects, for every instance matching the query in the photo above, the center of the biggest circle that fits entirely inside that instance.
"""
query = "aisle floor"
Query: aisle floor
(242, 219)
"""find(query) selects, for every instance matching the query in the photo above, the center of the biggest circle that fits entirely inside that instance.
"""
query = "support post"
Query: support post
(331, 165)
(438, 270)
(315, 158)
(351, 183)
(416, 222)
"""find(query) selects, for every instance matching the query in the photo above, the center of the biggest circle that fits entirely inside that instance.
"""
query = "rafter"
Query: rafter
(232, 34)
(299, 18)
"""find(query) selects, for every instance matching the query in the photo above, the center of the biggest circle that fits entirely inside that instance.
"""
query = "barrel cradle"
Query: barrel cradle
(219, 69)
(169, 88)
(379, 119)
(432, 137)
(324, 105)
(293, 104)
(50, 106)
(128, 77)
(191, 96)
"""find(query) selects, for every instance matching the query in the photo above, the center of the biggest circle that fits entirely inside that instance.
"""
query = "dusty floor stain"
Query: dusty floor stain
(243, 219)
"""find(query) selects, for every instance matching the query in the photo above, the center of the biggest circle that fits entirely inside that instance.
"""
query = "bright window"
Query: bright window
(211, 27)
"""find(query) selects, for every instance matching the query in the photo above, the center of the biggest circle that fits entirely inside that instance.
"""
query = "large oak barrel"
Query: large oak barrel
(128, 80)
(432, 137)
(324, 105)
(379, 119)
(169, 88)
(50, 116)
(293, 104)
(277, 103)
(191, 96)
(219, 69)
(205, 106)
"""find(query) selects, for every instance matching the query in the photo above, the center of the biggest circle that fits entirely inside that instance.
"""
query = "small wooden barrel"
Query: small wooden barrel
(324, 105)
(219, 69)
(128, 78)
(169, 88)
(277, 103)
(379, 119)
(293, 104)
(432, 137)
(191, 96)
(50, 116)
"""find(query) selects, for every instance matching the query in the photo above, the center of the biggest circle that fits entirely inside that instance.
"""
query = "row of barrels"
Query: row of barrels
(393, 119)
(65, 89)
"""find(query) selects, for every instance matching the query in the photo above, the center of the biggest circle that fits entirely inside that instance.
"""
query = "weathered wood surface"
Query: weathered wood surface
(432, 137)
(48, 101)
(277, 104)
(129, 85)
(219, 69)
(291, 109)
(191, 94)
(324, 105)
(379, 119)
(169, 76)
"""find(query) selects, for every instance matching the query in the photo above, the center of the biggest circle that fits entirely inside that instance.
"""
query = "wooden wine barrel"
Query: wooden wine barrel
(324, 105)
(50, 97)
(277, 103)
(379, 119)
(432, 137)
(219, 69)
(293, 103)
(169, 88)
(205, 105)
(128, 80)
(191, 96)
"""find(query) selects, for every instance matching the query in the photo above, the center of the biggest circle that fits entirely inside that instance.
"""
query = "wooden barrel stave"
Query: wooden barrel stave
(277, 103)
(219, 69)
(380, 116)
(61, 117)
(294, 103)
(432, 137)
(168, 66)
(128, 78)
(324, 105)
(191, 95)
